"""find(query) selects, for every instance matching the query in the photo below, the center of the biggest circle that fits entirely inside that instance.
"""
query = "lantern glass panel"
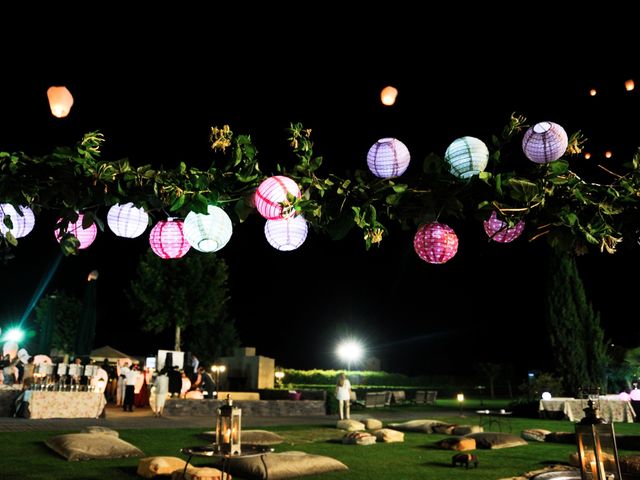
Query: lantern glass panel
(228, 428)
(598, 452)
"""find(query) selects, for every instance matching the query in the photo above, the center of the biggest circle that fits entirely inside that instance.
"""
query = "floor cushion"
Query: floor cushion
(495, 440)
(282, 465)
(98, 429)
(358, 438)
(372, 424)
(535, 434)
(466, 429)
(630, 464)
(424, 426)
(457, 443)
(149, 467)
(350, 425)
(561, 437)
(443, 429)
(199, 473)
(253, 437)
(387, 435)
(87, 446)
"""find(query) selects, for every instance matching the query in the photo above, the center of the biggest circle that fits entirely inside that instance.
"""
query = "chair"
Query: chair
(421, 396)
(431, 397)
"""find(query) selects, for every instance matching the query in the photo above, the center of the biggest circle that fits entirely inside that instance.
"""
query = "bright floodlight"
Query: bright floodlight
(14, 335)
(349, 351)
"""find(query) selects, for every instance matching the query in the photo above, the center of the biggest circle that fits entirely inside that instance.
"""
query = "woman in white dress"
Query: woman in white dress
(159, 393)
(343, 395)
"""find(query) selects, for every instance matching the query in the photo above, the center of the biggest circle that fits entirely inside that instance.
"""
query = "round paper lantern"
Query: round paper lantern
(546, 396)
(208, 232)
(388, 158)
(85, 236)
(286, 234)
(435, 243)
(23, 222)
(167, 239)
(127, 220)
(624, 396)
(499, 231)
(635, 394)
(545, 142)
(271, 193)
(467, 156)
(388, 95)
(60, 101)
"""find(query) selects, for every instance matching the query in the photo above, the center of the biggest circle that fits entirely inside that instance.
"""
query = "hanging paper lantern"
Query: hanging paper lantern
(271, 193)
(286, 234)
(127, 220)
(167, 239)
(23, 222)
(388, 158)
(60, 101)
(545, 142)
(388, 95)
(208, 232)
(499, 231)
(85, 236)
(467, 156)
(435, 243)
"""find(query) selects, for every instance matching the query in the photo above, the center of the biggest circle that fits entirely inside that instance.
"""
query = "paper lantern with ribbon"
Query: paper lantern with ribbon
(127, 220)
(208, 232)
(60, 101)
(435, 243)
(271, 193)
(85, 236)
(545, 142)
(388, 158)
(286, 234)
(467, 156)
(500, 231)
(167, 239)
(22, 221)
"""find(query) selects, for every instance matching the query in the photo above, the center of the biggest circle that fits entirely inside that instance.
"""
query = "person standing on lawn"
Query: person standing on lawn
(343, 395)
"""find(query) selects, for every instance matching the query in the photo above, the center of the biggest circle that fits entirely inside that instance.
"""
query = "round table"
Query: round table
(214, 450)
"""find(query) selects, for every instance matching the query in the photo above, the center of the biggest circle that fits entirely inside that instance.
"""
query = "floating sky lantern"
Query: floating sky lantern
(500, 231)
(629, 85)
(60, 101)
(271, 193)
(593, 92)
(85, 236)
(608, 154)
(127, 220)
(435, 243)
(467, 156)
(545, 142)
(587, 155)
(167, 239)
(388, 158)
(208, 232)
(22, 221)
(287, 234)
(388, 95)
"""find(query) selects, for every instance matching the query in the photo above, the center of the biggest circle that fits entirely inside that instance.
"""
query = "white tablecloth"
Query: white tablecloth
(610, 410)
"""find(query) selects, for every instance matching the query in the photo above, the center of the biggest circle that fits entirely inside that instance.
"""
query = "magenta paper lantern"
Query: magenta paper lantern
(271, 193)
(167, 239)
(23, 222)
(545, 142)
(286, 234)
(388, 158)
(127, 220)
(499, 231)
(85, 236)
(435, 243)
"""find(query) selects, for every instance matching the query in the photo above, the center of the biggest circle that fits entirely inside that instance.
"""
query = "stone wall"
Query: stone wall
(259, 408)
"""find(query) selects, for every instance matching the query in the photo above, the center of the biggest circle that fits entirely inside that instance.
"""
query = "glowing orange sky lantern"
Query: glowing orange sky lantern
(60, 101)
(608, 154)
(593, 92)
(388, 95)
(629, 85)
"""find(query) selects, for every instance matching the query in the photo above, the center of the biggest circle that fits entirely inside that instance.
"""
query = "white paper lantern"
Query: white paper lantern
(208, 232)
(85, 236)
(167, 239)
(467, 156)
(271, 193)
(388, 158)
(545, 142)
(60, 101)
(127, 220)
(546, 396)
(23, 222)
(286, 234)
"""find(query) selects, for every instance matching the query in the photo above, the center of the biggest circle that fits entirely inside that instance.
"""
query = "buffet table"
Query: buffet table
(572, 408)
(44, 404)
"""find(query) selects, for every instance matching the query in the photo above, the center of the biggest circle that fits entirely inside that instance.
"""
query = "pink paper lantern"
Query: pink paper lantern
(435, 243)
(388, 158)
(635, 395)
(545, 142)
(85, 236)
(286, 234)
(499, 231)
(624, 396)
(271, 193)
(167, 239)
(23, 222)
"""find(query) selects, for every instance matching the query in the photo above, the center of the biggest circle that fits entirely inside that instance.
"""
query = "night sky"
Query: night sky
(487, 304)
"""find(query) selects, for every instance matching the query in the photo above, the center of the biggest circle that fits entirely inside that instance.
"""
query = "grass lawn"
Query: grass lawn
(24, 455)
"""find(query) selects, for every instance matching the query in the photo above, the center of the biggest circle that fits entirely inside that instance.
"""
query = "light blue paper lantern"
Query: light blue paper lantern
(208, 232)
(388, 158)
(467, 156)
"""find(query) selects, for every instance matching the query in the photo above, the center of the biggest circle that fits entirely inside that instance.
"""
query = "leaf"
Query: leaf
(177, 203)
(11, 239)
(400, 188)
(242, 210)
(559, 167)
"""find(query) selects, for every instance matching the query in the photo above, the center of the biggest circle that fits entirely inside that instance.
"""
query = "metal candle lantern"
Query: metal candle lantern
(597, 449)
(228, 428)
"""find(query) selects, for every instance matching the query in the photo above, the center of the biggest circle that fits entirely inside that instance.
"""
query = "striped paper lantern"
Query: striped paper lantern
(435, 243)
(208, 232)
(271, 193)
(467, 156)
(167, 239)
(545, 142)
(127, 220)
(286, 234)
(85, 236)
(388, 158)
(22, 221)
(499, 231)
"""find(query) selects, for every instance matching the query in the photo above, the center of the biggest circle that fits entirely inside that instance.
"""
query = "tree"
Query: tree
(58, 314)
(491, 371)
(187, 294)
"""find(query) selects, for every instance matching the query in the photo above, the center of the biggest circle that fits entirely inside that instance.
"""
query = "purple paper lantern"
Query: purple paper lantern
(435, 243)
(286, 234)
(85, 236)
(388, 158)
(545, 142)
(271, 193)
(22, 221)
(127, 220)
(167, 240)
(499, 231)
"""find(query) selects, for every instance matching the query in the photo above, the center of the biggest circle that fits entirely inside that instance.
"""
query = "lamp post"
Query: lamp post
(279, 376)
(217, 370)
(349, 351)
(460, 398)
